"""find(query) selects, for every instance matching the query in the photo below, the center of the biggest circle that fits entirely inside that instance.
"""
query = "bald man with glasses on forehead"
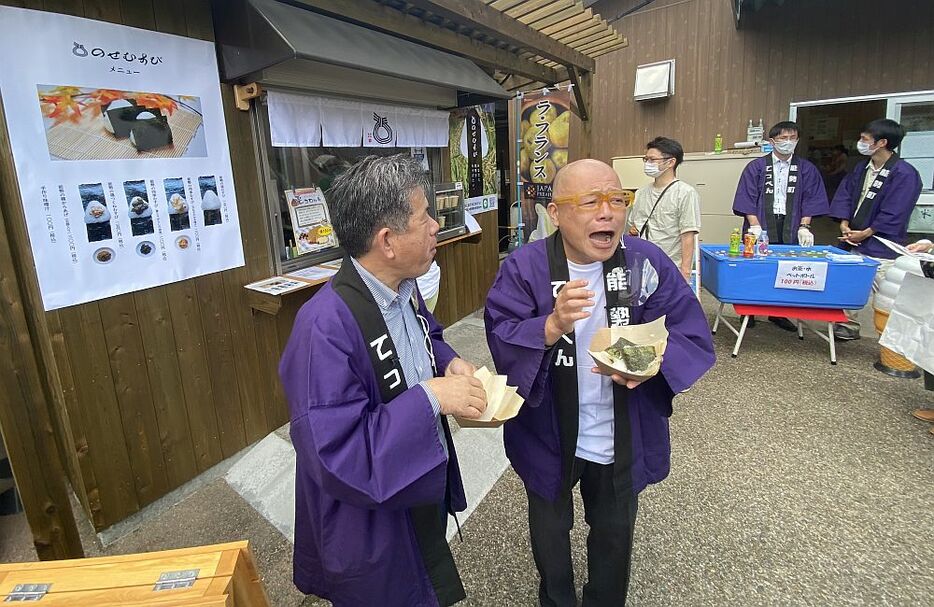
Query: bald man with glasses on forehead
(606, 433)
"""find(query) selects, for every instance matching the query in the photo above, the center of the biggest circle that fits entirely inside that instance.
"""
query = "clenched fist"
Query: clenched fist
(460, 395)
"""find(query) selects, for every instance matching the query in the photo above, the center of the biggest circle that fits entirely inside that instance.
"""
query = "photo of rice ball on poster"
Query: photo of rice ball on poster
(210, 201)
(179, 217)
(139, 207)
(97, 216)
(545, 131)
(84, 123)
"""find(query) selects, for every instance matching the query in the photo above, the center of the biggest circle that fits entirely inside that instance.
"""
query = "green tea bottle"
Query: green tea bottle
(735, 241)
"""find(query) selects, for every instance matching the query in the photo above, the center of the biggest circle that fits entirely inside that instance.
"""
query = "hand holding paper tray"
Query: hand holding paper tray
(502, 402)
(652, 334)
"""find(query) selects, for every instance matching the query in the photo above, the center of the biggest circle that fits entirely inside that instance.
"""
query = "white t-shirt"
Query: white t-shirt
(595, 429)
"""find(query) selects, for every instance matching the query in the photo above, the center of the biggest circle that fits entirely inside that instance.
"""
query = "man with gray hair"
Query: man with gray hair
(369, 380)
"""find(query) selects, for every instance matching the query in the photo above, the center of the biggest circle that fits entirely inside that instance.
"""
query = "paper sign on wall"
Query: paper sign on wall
(801, 275)
(311, 221)
(121, 154)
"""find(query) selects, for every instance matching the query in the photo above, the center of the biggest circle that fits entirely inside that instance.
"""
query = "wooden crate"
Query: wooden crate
(215, 576)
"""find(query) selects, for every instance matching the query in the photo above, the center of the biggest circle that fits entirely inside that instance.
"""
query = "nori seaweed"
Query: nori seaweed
(636, 358)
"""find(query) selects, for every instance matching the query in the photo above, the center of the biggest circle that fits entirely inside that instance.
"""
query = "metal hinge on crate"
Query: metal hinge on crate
(174, 580)
(27, 592)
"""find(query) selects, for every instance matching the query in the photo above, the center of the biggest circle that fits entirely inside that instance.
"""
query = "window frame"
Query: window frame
(274, 222)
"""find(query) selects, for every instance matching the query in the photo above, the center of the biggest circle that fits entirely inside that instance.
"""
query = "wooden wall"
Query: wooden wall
(800, 51)
(157, 386)
(142, 392)
(467, 272)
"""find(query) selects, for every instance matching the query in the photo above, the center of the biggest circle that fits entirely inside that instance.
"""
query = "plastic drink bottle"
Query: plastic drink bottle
(763, 244)
(735, 239)
(749, 244)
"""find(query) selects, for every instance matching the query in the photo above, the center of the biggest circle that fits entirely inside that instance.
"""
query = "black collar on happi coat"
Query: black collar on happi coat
(863, 211)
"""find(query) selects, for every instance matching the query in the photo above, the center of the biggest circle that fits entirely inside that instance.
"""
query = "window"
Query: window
(290, 171)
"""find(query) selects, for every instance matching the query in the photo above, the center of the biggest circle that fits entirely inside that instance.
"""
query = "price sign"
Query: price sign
(801, 275)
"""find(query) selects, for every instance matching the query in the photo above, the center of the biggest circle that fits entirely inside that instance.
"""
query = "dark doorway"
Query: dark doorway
(828, 139)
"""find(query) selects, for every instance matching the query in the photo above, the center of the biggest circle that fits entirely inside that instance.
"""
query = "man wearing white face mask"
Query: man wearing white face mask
(876, 198)
(667, 212)
(781, 193)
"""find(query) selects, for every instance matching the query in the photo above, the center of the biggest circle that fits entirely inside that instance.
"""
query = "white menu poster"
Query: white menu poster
(121, 153)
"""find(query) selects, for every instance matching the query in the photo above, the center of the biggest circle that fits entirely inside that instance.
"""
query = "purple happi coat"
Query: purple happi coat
(891, 212)
(810, 197)
(360, 463)
(518, 304)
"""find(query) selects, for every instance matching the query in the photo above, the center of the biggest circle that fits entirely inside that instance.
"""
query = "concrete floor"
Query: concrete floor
(793, 483)
(15, 540)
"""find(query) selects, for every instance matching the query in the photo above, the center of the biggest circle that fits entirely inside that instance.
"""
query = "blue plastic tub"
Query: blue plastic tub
(752, 280)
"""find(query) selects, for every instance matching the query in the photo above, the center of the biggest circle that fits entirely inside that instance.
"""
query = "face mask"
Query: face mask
(864, 148)
(653, 170)
(785, 147)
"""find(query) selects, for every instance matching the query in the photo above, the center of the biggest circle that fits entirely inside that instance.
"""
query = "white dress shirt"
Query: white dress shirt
(780, 169)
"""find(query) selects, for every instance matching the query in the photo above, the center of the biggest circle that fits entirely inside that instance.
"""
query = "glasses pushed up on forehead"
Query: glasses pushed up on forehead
(590, 202)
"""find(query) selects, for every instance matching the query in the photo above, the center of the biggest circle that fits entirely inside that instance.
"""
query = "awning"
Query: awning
(255, 35)
(742, 8)
(303, 120)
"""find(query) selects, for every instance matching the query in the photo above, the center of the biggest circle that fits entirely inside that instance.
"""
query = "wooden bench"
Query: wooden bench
(203, 576)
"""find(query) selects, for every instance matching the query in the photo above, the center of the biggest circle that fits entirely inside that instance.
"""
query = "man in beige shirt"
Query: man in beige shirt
(667, 211)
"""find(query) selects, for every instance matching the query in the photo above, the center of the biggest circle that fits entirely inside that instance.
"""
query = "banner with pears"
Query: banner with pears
(545, 129)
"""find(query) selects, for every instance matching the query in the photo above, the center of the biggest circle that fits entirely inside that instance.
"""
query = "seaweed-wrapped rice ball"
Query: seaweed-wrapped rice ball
(140, 216)
(97, 221)
(150, 131)
(119, 116)
(179, 219)
(636, 358)
(211, 204)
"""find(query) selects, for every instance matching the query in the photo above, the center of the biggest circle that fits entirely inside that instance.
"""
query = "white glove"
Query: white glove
(756, 230)
(805, 237)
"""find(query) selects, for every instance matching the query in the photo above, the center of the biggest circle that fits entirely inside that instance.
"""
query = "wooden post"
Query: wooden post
(34, 423)
(25, 420)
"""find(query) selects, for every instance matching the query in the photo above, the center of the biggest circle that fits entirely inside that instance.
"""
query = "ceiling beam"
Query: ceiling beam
(581, 95)
(476, 14)
(380, 17)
